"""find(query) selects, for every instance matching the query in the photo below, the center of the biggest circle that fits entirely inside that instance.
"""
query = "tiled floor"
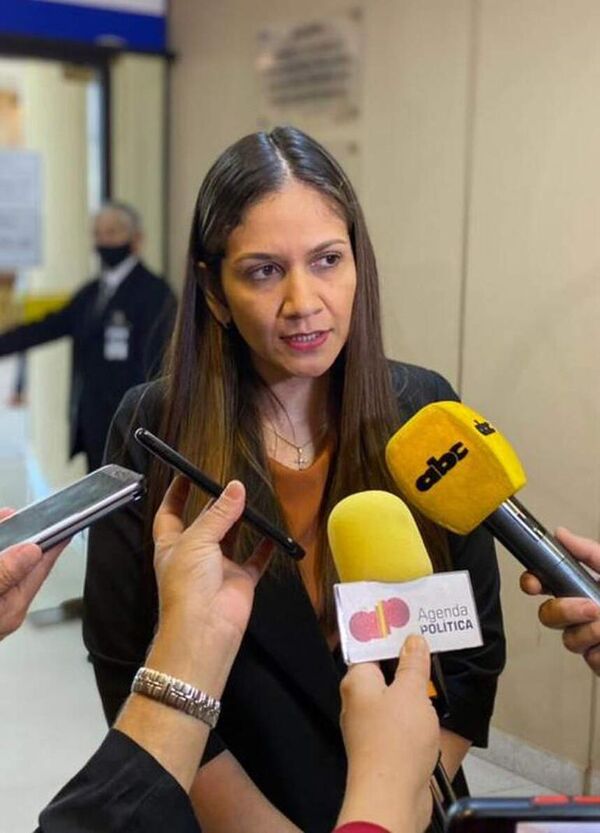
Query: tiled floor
(487, 779)
(50, 712)
(51, 718)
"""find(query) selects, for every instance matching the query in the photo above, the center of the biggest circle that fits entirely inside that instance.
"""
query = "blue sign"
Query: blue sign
(136, 25)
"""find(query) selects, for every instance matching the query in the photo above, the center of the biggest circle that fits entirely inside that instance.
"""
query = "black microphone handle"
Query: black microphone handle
(439, 817)
(540, 552)
(444, 785)
(440, 701)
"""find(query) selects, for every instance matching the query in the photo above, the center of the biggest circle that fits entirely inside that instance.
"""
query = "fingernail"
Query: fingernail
(592, 610)
(415, 644)
(233, 489)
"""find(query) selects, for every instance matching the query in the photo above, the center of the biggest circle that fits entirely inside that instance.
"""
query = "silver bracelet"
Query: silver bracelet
(181, 696)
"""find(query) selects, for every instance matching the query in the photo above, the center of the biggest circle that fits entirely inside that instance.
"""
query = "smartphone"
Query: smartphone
(172, 458)
(50, 521)
(542, 814)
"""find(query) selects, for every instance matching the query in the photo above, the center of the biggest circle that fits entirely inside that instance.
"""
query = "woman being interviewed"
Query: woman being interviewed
(277, 377)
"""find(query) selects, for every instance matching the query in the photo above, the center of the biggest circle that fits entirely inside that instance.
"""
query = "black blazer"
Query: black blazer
(147, 305)
(281, 706)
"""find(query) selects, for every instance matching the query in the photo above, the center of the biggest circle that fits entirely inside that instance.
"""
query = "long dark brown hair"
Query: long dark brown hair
(211, 411)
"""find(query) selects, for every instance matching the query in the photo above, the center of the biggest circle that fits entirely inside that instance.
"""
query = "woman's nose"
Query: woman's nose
(301, 297)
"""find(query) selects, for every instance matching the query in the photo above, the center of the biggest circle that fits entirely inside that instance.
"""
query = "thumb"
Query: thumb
(212, 525)
(16, 563)
(414, 665)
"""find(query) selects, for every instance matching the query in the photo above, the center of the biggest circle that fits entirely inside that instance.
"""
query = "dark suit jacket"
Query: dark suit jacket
(281, 706)
(98, 384)
(121, 789)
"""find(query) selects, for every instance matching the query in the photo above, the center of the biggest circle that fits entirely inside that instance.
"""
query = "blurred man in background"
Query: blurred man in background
(119, 324)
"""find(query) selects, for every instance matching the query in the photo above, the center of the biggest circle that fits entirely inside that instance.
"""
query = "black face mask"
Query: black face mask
(111, 256)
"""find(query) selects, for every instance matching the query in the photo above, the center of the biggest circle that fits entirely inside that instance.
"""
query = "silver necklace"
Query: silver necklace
(301, 461)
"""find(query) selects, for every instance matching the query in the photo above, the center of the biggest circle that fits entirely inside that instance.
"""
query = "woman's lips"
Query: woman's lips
(303, 342)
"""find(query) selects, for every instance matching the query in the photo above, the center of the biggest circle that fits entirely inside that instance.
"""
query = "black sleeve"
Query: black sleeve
(471, 675)
(121, 789)
(120, 598)
(120, 592)
(53, 326)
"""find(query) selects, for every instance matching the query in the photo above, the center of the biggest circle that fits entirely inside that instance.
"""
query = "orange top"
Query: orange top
(300, 494)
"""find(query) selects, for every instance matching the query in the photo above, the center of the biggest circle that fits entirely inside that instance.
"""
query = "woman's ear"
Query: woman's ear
(219, 310)
(218, 307)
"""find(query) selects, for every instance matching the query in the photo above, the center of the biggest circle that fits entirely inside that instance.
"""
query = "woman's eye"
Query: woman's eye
(261, 273)
(328, 260)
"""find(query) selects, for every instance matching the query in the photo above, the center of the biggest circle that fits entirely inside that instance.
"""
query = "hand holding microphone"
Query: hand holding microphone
(392, 739)
(578, 618)
(374, 538)
(459, 471)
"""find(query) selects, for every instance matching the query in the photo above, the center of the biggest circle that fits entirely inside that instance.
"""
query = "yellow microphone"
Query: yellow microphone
(373, 537)
(459, 471)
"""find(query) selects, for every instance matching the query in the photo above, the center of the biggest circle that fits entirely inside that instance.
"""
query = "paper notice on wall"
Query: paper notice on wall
(20, 209)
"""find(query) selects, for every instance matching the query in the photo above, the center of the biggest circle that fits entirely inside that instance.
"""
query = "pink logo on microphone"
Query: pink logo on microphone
(366, 625)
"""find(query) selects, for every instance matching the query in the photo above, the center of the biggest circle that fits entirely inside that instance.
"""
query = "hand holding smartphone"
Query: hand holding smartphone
(56, 518)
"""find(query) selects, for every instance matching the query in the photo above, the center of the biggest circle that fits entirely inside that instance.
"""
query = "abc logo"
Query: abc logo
(439, 467)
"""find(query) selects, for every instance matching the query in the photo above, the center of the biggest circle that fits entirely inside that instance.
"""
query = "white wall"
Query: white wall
(479, 176)
(532, 348)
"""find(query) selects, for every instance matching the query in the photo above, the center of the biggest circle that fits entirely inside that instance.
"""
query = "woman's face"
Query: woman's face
(289, 280)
